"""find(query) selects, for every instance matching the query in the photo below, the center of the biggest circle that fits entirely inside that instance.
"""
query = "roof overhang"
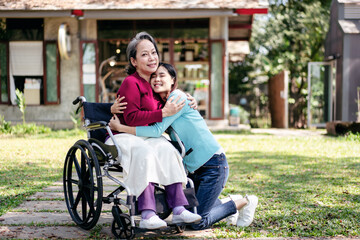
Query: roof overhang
(34, 14)
(240, 24)
(157, 13)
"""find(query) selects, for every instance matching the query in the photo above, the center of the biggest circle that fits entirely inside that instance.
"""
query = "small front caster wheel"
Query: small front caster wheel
(124, 230)
(180, 228)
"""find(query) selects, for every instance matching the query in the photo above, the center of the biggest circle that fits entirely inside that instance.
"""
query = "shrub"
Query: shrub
(29, 128)
(352, 137)
(22, 129)
(5, 127)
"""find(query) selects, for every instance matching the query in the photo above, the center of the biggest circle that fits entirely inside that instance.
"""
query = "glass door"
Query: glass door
(321, 93)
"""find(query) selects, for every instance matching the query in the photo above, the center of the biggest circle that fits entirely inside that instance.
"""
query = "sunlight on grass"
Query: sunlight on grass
(27, 164)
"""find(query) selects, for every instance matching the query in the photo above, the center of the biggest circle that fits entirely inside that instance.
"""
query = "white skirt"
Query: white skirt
(146, 160)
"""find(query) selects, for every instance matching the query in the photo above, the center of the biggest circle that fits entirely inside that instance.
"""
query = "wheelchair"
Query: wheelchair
(89, 162)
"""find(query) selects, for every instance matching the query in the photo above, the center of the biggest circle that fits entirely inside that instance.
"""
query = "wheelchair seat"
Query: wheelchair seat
(103, 151)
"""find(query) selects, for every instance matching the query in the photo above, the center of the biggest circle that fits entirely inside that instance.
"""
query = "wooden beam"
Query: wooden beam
(251, 11)
(240, 25)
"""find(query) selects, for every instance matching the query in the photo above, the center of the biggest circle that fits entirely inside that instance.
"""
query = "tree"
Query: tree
(292, 35)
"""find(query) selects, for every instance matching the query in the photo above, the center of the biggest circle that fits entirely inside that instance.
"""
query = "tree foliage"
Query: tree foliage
(290, 36)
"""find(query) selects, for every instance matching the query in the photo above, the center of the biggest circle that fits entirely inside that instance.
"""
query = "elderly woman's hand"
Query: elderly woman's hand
(115, 124)
(193, 102)
(118, 106)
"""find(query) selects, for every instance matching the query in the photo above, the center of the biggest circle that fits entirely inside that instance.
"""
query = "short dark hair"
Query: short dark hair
(171, 70)
(132, 49)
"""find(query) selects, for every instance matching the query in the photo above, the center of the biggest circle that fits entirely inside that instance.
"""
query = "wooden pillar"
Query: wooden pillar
(278, 100)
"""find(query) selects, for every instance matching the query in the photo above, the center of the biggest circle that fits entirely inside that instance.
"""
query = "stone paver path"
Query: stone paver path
(44, 215)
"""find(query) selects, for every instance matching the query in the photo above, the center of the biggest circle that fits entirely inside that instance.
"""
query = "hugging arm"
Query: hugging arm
(115, 124)
(118, 106)
(154, 130)
(132, 113)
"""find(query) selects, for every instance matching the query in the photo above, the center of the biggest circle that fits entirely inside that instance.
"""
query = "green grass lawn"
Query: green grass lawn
(27, 164)
(307, 186)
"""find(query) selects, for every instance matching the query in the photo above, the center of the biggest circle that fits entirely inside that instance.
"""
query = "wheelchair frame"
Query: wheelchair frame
(83, 181)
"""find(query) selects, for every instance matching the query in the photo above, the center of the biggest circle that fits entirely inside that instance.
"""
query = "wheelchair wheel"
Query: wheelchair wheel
(83, 185)
(180, 228)
(124, 230)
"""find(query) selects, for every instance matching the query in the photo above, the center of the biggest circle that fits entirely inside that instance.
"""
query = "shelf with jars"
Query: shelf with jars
(192, 65)
(191, 62)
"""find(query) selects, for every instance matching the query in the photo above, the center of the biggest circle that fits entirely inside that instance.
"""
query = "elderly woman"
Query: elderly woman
(149, 161)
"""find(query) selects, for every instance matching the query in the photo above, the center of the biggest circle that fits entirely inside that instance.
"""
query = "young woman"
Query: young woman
(206, 159)
(147, 161)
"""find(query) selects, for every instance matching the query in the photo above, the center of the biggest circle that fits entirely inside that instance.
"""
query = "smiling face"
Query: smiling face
(161, 81)
(147, 59)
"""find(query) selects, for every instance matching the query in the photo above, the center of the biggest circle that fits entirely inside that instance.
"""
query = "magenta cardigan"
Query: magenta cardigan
(142, 108)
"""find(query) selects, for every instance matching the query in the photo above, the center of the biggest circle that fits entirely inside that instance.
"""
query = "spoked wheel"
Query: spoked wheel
(83, 185)
(124, 229)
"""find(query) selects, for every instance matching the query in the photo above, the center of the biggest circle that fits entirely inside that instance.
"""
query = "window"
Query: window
(88, 61)
(3, 73)
(28, 63)
(52, 80)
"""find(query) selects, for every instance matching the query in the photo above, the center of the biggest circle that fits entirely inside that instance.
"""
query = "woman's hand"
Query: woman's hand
(193, 102)
(172, 106)
(118, 106)
(115, 124)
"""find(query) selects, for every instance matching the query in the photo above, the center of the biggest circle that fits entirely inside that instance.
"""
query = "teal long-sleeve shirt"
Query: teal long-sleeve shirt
(192, 130)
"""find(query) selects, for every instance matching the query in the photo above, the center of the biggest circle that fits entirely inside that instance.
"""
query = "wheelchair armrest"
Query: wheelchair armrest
(96, 125)
(172, 132)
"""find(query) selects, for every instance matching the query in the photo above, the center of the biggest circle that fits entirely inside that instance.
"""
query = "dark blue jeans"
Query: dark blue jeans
(209, 181)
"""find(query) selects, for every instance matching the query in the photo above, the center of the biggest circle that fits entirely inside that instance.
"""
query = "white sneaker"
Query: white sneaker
(152, 223)
(232, 219)
(186, 217)
(246, 214)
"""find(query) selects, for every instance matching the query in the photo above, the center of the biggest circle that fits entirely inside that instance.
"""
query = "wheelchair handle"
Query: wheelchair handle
(80, 99)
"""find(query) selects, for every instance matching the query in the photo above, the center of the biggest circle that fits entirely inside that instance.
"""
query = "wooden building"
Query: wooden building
(342, 48)
(54, 51)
